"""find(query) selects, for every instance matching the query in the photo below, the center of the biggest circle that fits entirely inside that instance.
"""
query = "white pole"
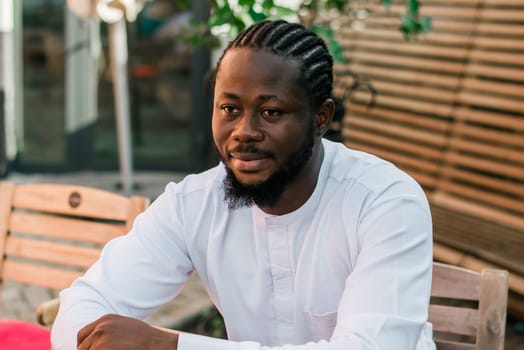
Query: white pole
(11, 75)
(118, 55)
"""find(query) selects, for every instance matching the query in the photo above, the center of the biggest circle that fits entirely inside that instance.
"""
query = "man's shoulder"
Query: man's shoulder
(204, 182)
(348, 163)
(353, 166)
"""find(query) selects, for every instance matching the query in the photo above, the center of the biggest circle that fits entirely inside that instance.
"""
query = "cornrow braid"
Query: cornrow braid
(293, 40)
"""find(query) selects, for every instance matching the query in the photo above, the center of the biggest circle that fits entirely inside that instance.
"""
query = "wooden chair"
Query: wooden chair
(51, 233)
(468, 308)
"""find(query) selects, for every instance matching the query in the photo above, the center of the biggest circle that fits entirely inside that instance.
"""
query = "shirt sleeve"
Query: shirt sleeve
(135, 274)
(385, 301)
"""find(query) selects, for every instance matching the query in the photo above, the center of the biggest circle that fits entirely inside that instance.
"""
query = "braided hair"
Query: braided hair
(294, 41)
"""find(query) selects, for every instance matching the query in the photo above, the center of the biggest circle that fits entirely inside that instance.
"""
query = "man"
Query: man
(300, 242)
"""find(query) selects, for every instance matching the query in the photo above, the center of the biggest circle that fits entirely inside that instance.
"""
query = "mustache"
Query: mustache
(250, 148)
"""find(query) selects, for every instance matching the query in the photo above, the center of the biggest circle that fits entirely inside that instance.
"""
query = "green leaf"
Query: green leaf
(337, 4)
(222, 15)
(413, 6)
(425, 23)
(408, 23)
(238, 23)
(246, 3)
(256, 16)
(387, 3)
(335, 49)
(268, 4)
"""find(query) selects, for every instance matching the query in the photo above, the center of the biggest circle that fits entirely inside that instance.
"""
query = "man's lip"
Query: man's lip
(248, 156)
(250, 164)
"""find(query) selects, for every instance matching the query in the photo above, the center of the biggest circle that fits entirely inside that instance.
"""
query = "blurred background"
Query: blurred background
(59, 101)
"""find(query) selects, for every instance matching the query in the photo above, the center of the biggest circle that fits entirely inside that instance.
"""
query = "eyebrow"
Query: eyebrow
(268, 97)
(261, 97)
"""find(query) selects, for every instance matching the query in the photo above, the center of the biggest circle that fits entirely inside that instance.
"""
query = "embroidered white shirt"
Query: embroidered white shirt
(350, 269)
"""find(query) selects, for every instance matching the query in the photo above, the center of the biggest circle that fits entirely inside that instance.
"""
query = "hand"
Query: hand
(114, 332)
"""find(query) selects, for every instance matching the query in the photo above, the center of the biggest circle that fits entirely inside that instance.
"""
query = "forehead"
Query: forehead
(244, 67)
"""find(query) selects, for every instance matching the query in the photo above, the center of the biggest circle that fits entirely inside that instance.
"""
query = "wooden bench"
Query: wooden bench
(468, 308)
(449, 111)
(51, 233)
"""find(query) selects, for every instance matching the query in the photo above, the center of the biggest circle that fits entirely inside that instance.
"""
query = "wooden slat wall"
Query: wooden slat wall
(484, 162)
(417, 85)
(449, 111)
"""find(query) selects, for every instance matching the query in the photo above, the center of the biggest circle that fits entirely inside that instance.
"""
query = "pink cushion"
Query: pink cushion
(21, 335)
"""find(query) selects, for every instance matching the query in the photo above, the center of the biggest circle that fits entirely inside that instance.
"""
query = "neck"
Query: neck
(299, 191)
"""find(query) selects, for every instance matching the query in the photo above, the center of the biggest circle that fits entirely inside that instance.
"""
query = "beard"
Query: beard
(268, 192)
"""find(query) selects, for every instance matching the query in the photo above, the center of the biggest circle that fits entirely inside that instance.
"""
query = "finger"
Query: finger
(84, 332)
(84, 343)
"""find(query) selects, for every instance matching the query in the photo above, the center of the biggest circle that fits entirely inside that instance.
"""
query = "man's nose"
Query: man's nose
(247, 128)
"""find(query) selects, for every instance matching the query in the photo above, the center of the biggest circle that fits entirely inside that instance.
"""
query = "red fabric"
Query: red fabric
(20, 335)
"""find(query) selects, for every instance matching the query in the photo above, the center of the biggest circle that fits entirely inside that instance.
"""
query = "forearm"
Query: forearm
(395, 333)
(72, 316)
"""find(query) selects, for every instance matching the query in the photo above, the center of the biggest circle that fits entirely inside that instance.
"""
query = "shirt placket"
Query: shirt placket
(281, 273)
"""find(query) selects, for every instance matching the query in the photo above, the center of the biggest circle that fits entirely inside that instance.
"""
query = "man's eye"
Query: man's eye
(271, 113)
(229, 109)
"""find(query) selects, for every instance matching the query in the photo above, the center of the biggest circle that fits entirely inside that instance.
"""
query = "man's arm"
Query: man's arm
(134, 275)
(385, 301)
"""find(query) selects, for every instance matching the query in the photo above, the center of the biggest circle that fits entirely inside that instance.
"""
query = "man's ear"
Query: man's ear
(324, 116)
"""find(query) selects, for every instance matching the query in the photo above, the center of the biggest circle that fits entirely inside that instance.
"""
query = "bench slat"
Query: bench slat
(39, 197)
(485, 165)
(451, 345)
(503, 2)
(497, 57)
(493, 198)
(437, 24)
(494, 87)
(491, 119)
(449, 81)
(51, 252)
(485, 211)
(464, 321)
(499, 43)
(426, 107)
(398, 47)
(403, 161)
(39, 275)
(510, 104)
(484, 134)
(406, 132)
(437, 125)
(492, 151)
(64, 228)
(387, 142)
(483, 70)
(500, 14)
(425, 64)
(505, 187)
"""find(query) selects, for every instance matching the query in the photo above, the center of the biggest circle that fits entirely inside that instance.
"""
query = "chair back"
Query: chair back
(468, 308)
(51, 233)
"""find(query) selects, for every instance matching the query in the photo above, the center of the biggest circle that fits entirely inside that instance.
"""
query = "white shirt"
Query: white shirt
(350, 269)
